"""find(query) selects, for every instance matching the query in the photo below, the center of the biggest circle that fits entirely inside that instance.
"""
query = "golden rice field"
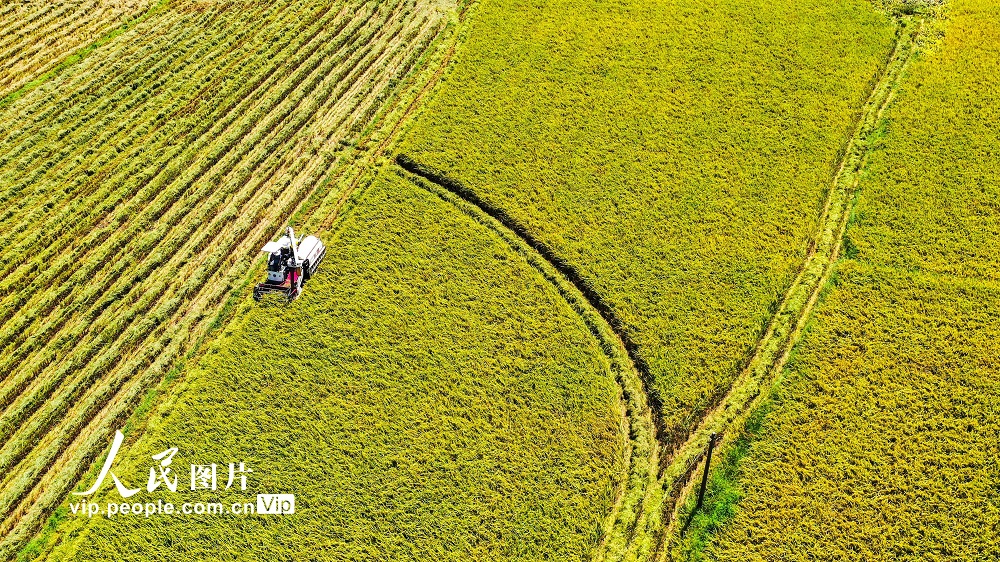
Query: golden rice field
(879, 442)
(567, 242)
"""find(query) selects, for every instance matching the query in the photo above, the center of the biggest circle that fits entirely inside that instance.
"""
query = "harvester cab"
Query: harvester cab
(290, 263)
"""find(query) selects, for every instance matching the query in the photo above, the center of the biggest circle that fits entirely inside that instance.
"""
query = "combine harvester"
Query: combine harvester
(290, 263)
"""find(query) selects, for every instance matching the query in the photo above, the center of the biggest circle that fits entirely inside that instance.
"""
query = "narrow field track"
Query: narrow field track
(138, 229)
(785, 329)
(646, 532)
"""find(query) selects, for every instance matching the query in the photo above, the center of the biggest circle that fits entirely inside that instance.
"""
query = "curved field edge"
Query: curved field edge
(330, 193)
(739, 416)
(467, 439)
(573, 196)
(631, 526)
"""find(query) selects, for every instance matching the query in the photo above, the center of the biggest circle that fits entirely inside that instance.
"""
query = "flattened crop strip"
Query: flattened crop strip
(772, 352)
(627, 526)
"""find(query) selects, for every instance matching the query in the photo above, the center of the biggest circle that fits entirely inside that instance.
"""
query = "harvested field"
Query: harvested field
(38, 36)
(139, 185)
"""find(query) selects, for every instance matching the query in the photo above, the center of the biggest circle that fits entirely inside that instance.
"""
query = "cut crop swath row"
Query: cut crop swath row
(35, 41)
(47, 38)
(95, 78)
(24, 27)
(21, 26)
(231, 32)
(156, 236)
(98, 286)
(120, 181)
(134, 96)
(34, 159)
(75, 244)
(136, 166)
(181, 187)
(134, 154)
(226, 207)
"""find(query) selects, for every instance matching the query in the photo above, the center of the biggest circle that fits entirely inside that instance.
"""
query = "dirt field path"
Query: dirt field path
(785, 328)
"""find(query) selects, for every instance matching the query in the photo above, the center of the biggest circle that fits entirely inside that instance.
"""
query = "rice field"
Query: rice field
(880, 440)
(676, 154)
(429, 397)
(566, 242)
(137, 187)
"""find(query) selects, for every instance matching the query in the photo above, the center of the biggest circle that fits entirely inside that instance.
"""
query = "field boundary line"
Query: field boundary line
(636, 499)
(784, 330)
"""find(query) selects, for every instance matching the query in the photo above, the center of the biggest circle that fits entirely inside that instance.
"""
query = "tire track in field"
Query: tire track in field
(573, 275)
(785, 328)
(624, 526)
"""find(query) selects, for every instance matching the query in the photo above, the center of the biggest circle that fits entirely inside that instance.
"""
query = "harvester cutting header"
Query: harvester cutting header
(290, 263)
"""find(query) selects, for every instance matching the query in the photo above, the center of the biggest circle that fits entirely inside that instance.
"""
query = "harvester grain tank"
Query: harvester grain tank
(290, 263)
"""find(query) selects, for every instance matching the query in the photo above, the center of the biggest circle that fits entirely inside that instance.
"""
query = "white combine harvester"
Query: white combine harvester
(290, 263)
